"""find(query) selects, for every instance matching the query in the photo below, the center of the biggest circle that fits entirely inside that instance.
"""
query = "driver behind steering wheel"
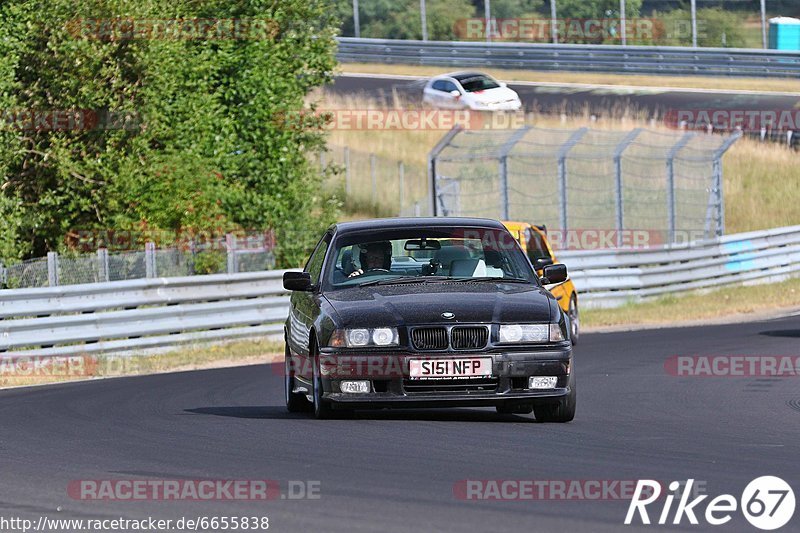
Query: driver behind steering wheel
(374, 256)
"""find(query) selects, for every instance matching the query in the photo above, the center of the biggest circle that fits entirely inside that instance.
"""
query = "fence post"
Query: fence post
(416, 209)
(3, 276)
(230, 245)
(401, 176)
(671, 214)
(503, 156)
(52, 269)
(346, 171)
(720, 198)
(432, 156)
(374, 174)
(102, 265)
(562, 175)
(626, 141)
(150, 259)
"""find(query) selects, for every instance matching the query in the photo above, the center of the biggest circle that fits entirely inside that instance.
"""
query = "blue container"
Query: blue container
(784, 33)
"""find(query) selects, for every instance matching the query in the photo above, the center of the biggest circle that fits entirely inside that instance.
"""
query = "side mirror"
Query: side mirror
(502, 84)
(542, 262)
(296, 281)
(454, 93)
(554, 274)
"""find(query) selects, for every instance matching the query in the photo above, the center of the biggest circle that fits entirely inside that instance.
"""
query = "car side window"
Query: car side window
(314, 265)
(449, 86)
(439, 85)
(535, 246)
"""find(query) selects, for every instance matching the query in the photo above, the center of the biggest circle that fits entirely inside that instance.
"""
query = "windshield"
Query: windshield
(478, 83)
(421, 255)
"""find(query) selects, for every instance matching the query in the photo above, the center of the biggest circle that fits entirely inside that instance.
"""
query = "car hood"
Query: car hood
(498, 94)
(400, 305)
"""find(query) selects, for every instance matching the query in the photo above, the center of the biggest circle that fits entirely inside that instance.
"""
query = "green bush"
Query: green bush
(400, 19)
(205, 149)
(715, 28)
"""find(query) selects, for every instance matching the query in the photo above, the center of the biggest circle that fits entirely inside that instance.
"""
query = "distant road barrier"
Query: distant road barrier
(574, 57)
(135, 315)
(609, 278)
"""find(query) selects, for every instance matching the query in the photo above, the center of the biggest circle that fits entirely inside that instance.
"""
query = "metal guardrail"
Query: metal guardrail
(134, 315)
(609, 278)
(574, 57)
(125, 317)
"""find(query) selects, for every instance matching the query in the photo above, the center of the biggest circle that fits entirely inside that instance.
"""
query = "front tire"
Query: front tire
(574, 320)
(560, 410)
(322, 409)
(295, 403)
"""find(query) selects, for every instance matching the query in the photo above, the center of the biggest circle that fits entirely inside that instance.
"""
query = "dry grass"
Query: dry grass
(700, 306)
(761, 186)
(695, 82)
(761, 180)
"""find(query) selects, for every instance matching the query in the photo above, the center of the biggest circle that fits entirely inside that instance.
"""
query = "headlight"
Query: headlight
(526, 333)
(362, 337)
(357, 337)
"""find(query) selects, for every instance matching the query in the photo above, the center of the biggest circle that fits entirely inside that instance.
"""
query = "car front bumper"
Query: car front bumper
(391, 386)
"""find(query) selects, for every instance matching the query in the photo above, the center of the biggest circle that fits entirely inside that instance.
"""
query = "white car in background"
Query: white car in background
(469, 90)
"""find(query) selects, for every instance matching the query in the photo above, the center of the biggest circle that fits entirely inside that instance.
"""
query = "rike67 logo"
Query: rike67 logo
(767, 503)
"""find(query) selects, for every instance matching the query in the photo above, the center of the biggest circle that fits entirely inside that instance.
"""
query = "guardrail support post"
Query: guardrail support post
(102, 265)
(150, 259)
(3, 276)
(230, 244)
(52, 269)
(432, 156)
(629, 138)
(562, 175)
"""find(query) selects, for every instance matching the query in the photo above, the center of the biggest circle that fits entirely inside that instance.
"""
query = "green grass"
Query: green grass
(699, 305)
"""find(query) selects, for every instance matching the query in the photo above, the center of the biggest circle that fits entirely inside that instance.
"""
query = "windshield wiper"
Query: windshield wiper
(394, 281)
(489, 278)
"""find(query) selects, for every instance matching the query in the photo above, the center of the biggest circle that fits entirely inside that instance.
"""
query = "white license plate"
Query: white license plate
(450, 368)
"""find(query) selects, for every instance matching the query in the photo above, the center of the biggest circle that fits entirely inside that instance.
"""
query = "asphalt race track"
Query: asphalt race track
(576, 98)
(396, 470)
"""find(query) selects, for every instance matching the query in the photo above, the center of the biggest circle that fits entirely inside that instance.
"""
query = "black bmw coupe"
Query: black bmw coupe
(426, 312)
